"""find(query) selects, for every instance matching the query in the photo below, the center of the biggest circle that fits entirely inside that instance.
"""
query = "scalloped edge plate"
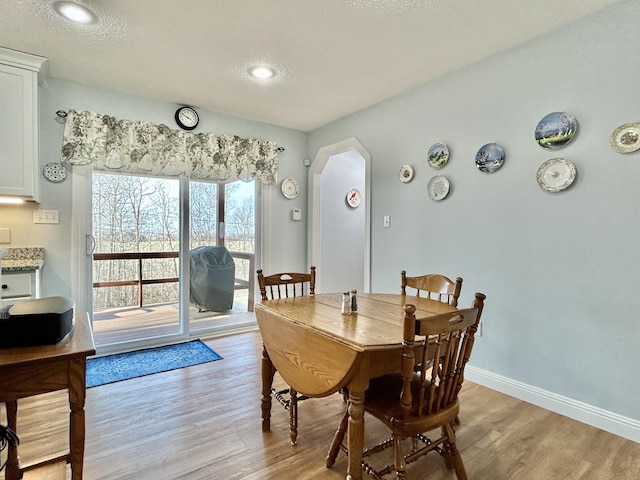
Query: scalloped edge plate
(54, 172)
(626, 138)
(556, 174)
(406, 173)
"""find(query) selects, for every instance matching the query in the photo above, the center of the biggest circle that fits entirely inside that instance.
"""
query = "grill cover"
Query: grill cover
(213, 275)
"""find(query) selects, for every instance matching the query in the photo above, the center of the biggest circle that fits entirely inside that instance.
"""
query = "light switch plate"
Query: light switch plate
(5, 235)
(45, 216)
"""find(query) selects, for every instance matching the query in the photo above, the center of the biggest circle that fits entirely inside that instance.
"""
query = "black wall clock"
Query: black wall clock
(187, 118)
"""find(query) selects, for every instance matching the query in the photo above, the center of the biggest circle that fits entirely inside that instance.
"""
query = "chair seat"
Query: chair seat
(381, 401)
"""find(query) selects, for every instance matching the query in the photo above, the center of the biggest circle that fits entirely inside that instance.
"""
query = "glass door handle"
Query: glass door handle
(90, 244)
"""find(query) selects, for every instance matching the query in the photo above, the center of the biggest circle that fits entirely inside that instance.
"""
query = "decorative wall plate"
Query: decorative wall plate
(556, 174)
(406, 173)
(353, 198)
(438, 187)
(626, 138)
(555, 130)
(54, 172)
(289, 188)
(438, 155)
(490, 157)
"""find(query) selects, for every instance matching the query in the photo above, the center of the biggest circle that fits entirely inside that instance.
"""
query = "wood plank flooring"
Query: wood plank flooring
(203, 423)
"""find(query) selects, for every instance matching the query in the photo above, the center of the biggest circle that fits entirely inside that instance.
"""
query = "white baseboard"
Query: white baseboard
(583, 412)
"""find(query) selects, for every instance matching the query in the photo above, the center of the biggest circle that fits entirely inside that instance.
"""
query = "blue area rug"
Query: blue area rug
(122, 366)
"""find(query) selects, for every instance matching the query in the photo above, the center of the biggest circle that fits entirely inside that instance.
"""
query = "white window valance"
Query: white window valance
(145, 148)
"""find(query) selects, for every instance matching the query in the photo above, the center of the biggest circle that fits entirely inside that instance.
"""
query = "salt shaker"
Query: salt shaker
(346, 303)
(354, 302)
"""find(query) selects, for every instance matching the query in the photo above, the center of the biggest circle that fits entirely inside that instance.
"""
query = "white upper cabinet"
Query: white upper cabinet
(19, 164)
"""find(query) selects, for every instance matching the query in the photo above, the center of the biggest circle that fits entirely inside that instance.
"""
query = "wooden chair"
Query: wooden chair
(412, 403)
(284, 285)
(434, 286)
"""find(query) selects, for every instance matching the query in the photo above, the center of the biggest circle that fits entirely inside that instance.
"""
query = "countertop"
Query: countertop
(22, 259)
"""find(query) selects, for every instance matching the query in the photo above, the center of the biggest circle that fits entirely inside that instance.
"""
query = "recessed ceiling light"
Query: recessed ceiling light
(262, 72)
(75, 12)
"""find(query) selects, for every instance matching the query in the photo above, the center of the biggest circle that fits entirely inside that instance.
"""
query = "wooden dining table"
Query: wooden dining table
(318, 351)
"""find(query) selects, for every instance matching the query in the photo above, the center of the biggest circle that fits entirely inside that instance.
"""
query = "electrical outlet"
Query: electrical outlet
(5, 235)
(386, 221)
(45, 216)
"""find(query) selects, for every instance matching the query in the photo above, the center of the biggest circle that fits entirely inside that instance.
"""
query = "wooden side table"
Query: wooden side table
(27, 371)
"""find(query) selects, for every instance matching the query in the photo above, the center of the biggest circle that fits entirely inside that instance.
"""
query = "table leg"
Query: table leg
(77, 395)
(355, 434)
(13, 460)
(267, 381)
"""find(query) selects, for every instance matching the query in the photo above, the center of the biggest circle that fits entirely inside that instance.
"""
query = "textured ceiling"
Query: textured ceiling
(334, 57)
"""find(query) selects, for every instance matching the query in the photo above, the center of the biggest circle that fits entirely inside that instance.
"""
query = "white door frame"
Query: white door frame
(315, 202)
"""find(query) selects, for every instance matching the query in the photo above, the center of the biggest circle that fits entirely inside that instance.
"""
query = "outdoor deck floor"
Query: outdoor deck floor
(117, 325)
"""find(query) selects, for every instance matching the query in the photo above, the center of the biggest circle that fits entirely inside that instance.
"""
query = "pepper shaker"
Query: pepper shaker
(354, 302)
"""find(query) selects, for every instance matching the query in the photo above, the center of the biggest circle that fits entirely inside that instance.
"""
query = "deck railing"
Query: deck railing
(239, 283)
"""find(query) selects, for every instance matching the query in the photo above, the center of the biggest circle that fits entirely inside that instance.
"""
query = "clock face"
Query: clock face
(187, 118)
(353, 198)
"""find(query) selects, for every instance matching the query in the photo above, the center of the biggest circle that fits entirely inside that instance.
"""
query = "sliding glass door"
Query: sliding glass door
(150, 282)
(222, 253)
(136, 257)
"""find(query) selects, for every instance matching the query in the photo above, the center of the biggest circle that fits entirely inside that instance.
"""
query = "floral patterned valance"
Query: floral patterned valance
(146, 148)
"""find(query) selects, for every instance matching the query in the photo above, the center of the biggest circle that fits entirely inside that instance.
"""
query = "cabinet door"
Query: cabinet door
(18, 132)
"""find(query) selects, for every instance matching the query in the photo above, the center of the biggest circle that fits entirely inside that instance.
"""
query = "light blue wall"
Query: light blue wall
(561, 271)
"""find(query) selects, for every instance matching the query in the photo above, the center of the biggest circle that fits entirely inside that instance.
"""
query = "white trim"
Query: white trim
(597, 417)
(184, 265)
(314, 180)
(81, 267)
(263, 234)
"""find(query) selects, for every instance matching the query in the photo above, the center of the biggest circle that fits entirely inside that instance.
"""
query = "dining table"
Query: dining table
(317, 350)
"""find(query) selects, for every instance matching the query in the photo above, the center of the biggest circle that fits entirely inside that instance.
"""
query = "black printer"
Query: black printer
(42, 321)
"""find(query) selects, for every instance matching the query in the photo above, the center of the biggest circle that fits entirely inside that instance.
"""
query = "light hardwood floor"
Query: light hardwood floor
(203, 423)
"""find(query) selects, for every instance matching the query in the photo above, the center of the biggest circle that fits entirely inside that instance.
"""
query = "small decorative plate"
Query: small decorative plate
(490, 157)
(626, 138)
(290, 188)
(556, 174)
(406, 173)
(353, 198)
(54, 172)
(555, 130)
(438, 187)
(438, 155)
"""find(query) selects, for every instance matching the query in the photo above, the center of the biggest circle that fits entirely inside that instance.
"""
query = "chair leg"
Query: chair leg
(400, 464)
(337, 440)
(454, 454)
(293, 416)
